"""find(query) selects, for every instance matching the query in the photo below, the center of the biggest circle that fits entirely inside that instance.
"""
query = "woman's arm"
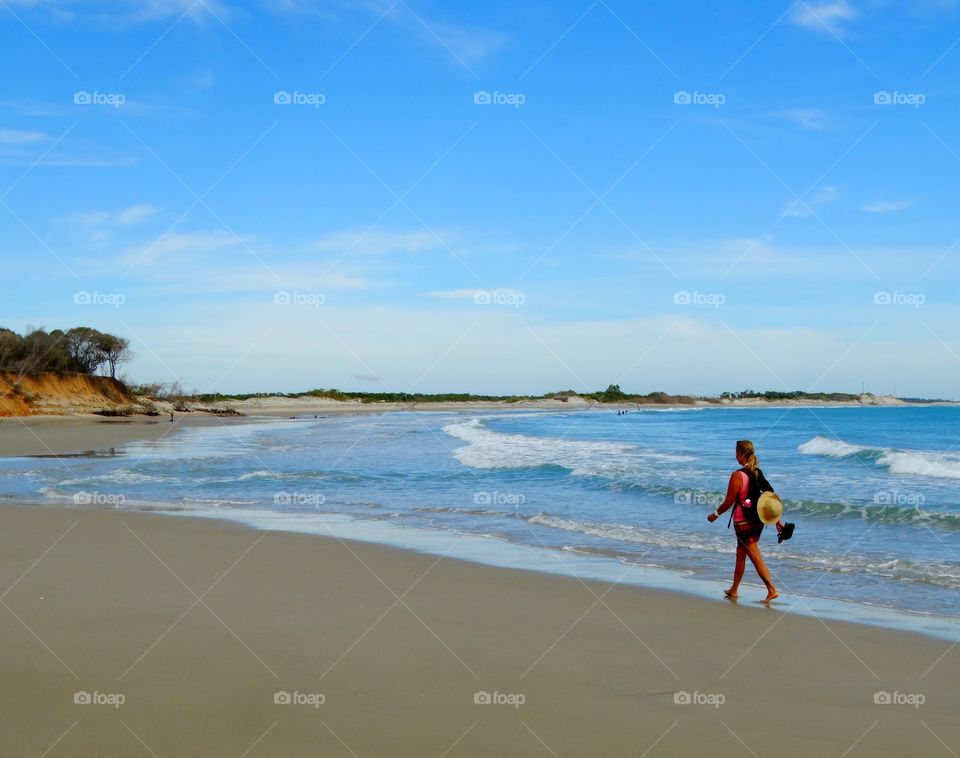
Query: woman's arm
(733, 489)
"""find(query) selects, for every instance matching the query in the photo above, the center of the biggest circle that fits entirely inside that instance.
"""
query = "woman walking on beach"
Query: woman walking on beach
(746, 522)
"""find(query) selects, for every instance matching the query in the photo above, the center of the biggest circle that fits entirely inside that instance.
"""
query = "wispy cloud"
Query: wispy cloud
(807, 206)
(886, 206)
(98, 227)
(31, 147)
(177, 244)
(81, 161)
(202, 79)
(32, 108)
(468, 43)
(828, 16)
(200, 277)
(461, 294)
(128, 13)
(132, 215)
(215, 261)
(809, 118)
(18, 137)
(366, 242)
(474, 294)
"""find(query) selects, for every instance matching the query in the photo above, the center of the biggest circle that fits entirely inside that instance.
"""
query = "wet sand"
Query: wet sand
(198, 625)
(77, 435)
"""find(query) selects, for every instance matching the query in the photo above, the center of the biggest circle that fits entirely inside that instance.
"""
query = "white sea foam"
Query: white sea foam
(216, 501)
(629, 533)
(120, 476)
(922, 464)
(267, 474)
(942, 574)
(487, 449)
(832, 448)
(942, 465)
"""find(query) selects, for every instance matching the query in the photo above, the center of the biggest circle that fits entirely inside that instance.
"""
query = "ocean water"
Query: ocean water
(875, 493)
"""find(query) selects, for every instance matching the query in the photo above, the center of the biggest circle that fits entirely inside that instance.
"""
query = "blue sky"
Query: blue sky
(692, 197)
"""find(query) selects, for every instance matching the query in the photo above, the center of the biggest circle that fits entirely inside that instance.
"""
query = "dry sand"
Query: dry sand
(291, 406)
(197, 624)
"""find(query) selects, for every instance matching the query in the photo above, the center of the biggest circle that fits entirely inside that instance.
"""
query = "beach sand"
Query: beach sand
(66, 435)
(197, 624)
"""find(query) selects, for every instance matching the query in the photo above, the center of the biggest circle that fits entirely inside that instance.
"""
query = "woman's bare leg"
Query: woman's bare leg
(737, 572)
(753, 551)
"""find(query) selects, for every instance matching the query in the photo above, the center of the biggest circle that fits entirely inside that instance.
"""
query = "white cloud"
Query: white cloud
(33, 108)
(98, 227)
(886, 206)
(136, 214)
(17, 137)
(255, 278)
(828, 16)
(454, 294)
(807, 206)
(469, 44)
(124, 12)
(132, 215)
(809, 118)
(372, 242)
(217, 261)
(203, 79)
(493, 350)
(79, 161)
(29, 146)
(177, 244)
(472, 294)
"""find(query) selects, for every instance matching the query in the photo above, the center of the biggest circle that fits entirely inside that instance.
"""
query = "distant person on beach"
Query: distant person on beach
(747, 526)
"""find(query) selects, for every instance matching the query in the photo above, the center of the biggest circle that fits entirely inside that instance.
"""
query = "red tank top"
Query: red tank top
(738, 514)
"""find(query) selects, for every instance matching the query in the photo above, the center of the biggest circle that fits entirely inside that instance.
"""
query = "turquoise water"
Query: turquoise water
(873, 491)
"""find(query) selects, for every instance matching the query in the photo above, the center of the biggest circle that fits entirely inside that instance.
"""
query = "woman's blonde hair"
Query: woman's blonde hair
(745, 448)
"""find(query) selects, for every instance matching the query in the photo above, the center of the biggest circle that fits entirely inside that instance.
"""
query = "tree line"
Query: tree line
(81, 350)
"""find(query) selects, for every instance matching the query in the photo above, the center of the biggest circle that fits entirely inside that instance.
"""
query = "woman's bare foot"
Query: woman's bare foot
(732, 594)
(771, 594)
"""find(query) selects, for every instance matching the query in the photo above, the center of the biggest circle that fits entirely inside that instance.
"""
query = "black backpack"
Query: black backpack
(758, 484)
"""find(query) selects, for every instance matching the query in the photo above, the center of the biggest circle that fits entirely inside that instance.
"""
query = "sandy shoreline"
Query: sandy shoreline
(106, 602)
(64, 435)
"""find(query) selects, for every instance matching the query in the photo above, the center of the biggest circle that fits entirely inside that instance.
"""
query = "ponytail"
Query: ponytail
(745, 448)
